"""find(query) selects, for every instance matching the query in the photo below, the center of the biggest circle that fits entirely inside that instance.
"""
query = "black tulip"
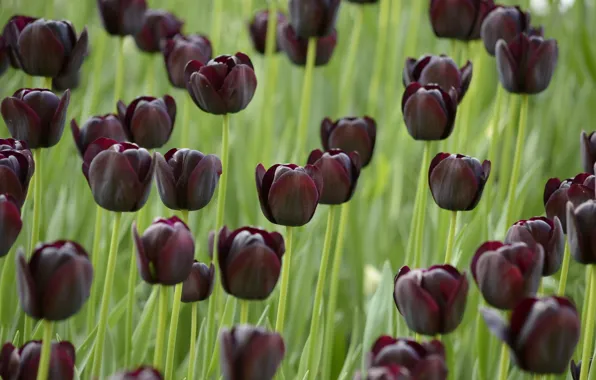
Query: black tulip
(179, 50)
(122, 17)
(258, 30)
(588, 150)
(10, 223)
(199, 283)
(158, 26)
(350, 134)
(313, 18)
(149, 121)
(296, 47)
(429, 111)
(340, 171)
(503, 23)
(108, 126)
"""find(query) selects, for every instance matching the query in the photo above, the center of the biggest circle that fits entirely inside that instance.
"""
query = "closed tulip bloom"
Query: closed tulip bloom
(526, 64)
(457, 181)
(557, 193)
(141, 373)
(179, 50)
(388, 372)
(258, 30)
(250, 353)
(21, 147)
(503, 23)
(350, 134)
(36, 116)
(13, 28)
(542, 333)
(165, 251)
(460, 19)
(433, 300)
(149, 121)
(296, 47)
(340, 171)
(4, 59)
(581, 230)
(313, 18)
(15, 174)
(22, 364)
(9, 362)
(119, 174)
(122, 17)
(429, 111)
(56, 282)
(199, 283)
(10, 223)
(588, 150)
(108, 126)
(158, 26)
(546, 232)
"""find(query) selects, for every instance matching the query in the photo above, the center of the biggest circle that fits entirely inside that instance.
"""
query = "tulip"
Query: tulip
(296, 48)
(9, 362)
(340, 172)
(557, 193)
(158, 26)
(288, 193)
(258, 30)
(21, 147)
(389, 372)
(21, 364)
(507, 273)
(526, 64)
(119, 174)
(542, 333)
(429, 111)
(122, 17)
(313, 18)
(15, 24)
(457, 181)
(588, 150)
(149, 121)
(15, 174)
(108, 126)
(141, 373)
(36, 116)
(503, 23)
(226, 84)
(199, 283)
(250, 261)
(433, 300)
(439, 70)
(581, 229)
(4, 59)
(460, 19)
(250, 353)
(350, 134)
(165, 252)
(10, 223)
(179, 50)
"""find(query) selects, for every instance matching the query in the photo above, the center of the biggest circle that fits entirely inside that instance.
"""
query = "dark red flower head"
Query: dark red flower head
(350, 134)
(258, 30)
(15, 174)
(122, 17)
(18, 22)
(22, 363)
(340, 171)
(581, 231)
(158, 26)
(4, 55)
(503, 23)
(313, 18)
(199, 283)
(179, 50)
(296, 47)
(10, 223)
(588, 150)
(429, 111)
(557, 193)
(108, 126)
(459, 19)
(149, 121)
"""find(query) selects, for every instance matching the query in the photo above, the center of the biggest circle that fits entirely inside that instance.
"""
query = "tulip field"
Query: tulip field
(297, 189)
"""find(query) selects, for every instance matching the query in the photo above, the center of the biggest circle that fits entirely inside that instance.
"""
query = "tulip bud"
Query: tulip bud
(12, 29)
(179, 50)
(340, 172)
(433, 300)
(313, 18)
(141, 373)
(250, 261)
(10, 223)
(199, 283)
(56, 282)
(9, 362)
(588, 150)
(4, 60)
(526, 64)
(258, 30)
(581, 229)
(15, 174)
(21, 147)
(21, 364)
(165, 252)
(557, 193)
(460, 19)
(457, 181)
(250, 353)
(507, 273)
(350, 134)
(149, 121)
(542, 333)
(158, 25)
(119, 174)
(429, 111)
(296, 48)
(288, 193)
(108, 126)
(503, 23)
(36, 116)
(388, 372)
(122, 17)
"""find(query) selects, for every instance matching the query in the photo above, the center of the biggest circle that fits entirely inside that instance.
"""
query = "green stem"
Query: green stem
(119, 71)
(505, 169)
(564, 270)
(95, 263)
(465, 106)
(216, 16)
(590, 303)
(193, 340)
(105, 300)
(504, 362)
(350, 60)
(285, 282)
(161, 327)
(380, 53)
(414, 28)
(244, 312)
(46, 350)
(267, 114)
(151, 75)
(6, 267)
(481, 347)
(303, 119)
(173, 331)
(494, 127)
(451, 237)
(588, 282)
(422, 206)
(185, 122)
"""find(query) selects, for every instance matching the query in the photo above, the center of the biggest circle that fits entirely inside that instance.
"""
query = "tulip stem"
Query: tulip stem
(422, 189)
(590, 303)
(161, 327)
(451, 237)
(504, 362)
(243, 312)
(193, 340)
(588, 281)
(311, 54)
(315, 319)
(285, 282)
(46, 349)
(119, 70)
(564, 270)
(349, 63)
(185, 121)
(493, 133)
(481, 347)
(173, 331)
(380, 52)
(216, 16)
(414, 28)
(95, 263)
(505, 167)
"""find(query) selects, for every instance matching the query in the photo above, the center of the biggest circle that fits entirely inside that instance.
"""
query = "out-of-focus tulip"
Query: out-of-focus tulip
(459, 19)
(258, 30)
(296, 47)
(289, 194)
(141, 373)
(56, 282)
(119, 174)
(108, 126)
(179, 50)
(526, 64)
(17, 23)
(122, 17)
(35, 116)
(313, 18)
(433, 300)
(15, 174)
(149, 121)
(22, 364)
(350, 134)
(503, 23)
(340, 171)
(557, 193)
(165, 251)
(157, 26)
(588, 150)
(21, 147)
(199, 283)
(429, 111)
(581, 231)
(542, 333)
(388, 372)
(9, 362)
(4, 59)
(250, 353)
(10, 223)
(457, 181)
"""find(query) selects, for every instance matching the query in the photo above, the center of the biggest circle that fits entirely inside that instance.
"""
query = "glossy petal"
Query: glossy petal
(199, 284)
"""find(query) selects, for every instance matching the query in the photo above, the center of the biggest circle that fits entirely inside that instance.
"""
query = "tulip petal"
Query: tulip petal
(142, 260)
(174, 263)
(293, 198)
(453, 184)
(203, 181)
(496, 324)
(21, 120)
(166, 183)
(238, 88)
(456, 305)
(252, 273)
(421, 312)
(57, 124)
(10, 224)
(28, 296)
(77, 55)
(541, 66)
(151, 125)
(507, 67)
(11, 185)
(501, 283)
(205, 95)
(42, 54)
(262, 357)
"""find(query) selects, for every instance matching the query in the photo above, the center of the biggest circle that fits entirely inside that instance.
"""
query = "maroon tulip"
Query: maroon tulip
(17, 23)
(557, 193)
(296, 47)
(258, 30)
(503, 23)
(15, 174)
(122, 17)
(141, 373)
(313, 18)
(581, 231)
(199, 283)
(4, 59)
(10, 223)
(149, 121)
(9, 362)
(350, 134)
(340, 171)
(22, 364)
(108, 126)
(588, 150)
(433, 300)
(179, 50)
(158, 26)
(459, 19)
(429, 111)
(21, 147)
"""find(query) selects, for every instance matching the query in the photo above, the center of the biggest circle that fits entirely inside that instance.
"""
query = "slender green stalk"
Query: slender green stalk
(588, 282)
(161, 327)
(380, 54)
(481, 347)
(173, 331)
(46, 349)
(451, 237)
(505, 169)
(7, 266)
(285, 282)
(450, 354)
(504, 362)
(422, 206)
(311, 54)
(105, 300)
(564, 270)
(130, 302)
(95, 262)
(590, 303)
(350, 60)
(151, 74)
(244, 311)
(119, 70)
(193, 340)
(184, 140)
(216, 16)
(493, 135)
(36, 200)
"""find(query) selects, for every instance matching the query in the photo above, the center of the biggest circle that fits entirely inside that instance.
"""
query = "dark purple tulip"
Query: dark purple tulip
(4, 59)
(313, 18)
(15, 174)
(588, 150)
(507, 273)
(340, 171)
(459, 19)
(429, 111)
(108, 126)
(542, 333)
(119, 174)
(581, 231)
(9, 362)
(526, 64)
(158, 26)
(258, 30)
(15, 25)
(546, 232)
(165, 252)
(149, 121)
(122, 17)
(56, 282)
(536, 31)
(186, 179)
(350, 134)
(36, 116)
(557, 193)
(250, 353)
(388, 372)
(457, 181)
(433, 300)
(199, 283)
(288, 193)
(22, 364)
(179, 50)
(10, 223)
(141, 373)
(439, 70)
(250, 261)
(503, 23)
(21, 147)
(296, 47)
